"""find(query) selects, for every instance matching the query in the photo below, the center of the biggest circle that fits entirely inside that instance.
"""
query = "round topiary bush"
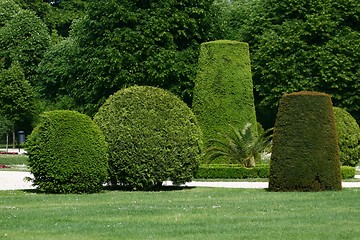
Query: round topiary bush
(152, 135)
(305, 152)
(67, 153)
(349, 137)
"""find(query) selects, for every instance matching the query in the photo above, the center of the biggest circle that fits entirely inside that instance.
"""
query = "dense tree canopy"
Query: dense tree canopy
(17, 99)
(24, 39)
(8, 8)
(301, 45)
(56, 14)
(122, 43)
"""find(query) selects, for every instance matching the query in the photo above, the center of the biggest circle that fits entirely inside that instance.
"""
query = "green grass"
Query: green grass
(198, 213)
(16, 162)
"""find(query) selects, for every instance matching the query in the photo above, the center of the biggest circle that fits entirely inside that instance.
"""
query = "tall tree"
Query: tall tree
(17, 98)
(303, 45)
(56, 14)
(8, 8)
(122, 43)
(24, 39)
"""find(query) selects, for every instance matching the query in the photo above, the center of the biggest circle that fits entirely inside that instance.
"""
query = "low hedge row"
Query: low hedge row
(233, 171)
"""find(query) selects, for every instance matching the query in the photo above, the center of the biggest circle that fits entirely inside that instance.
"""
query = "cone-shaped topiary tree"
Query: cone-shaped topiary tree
(153, 136)
(305, 153)
(223, 93)
(67, 153)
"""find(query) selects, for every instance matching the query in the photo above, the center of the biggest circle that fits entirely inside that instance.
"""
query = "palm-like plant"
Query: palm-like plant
(239, 147)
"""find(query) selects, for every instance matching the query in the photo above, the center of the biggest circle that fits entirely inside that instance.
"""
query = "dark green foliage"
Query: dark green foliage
(17, 98)
(239, 147)
(349, 137)
(56, 14)
(234, 171)
(24, 38)
(153, 136)
(231, 171)
(223, 93)
(55, 69)
(8, 8)
(123, 43)
(305, 152)
(300, 45)
(67, 153)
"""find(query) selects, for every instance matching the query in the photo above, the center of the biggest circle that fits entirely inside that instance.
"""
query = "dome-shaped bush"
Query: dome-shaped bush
(349, 137)
(152, 135)
(67, 153)
(305, 152)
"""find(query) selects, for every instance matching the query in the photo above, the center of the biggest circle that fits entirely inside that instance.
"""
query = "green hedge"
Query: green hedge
(234, 171)
(223, 92)
(305, 152)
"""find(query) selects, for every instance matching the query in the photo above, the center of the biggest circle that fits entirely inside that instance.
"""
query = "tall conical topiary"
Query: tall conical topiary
(305, 153)
(223, 93)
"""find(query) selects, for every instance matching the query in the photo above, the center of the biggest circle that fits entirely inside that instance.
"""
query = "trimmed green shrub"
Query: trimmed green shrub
(67, 153)
(347, 172)
(152, 135)
(349, 137)
(223, 93)
(231, 171)
(235, 171)
(305, 153)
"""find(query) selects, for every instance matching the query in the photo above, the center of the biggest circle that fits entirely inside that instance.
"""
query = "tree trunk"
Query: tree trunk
(7, 142)
(14, 139)
(251, 162)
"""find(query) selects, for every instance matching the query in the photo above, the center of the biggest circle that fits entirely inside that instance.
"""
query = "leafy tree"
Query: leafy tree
(239, 147)
(56, 14)
(17, 98)
(301, 45)
(8, 9)
(123, 43)
(24, 39)
(5, 128)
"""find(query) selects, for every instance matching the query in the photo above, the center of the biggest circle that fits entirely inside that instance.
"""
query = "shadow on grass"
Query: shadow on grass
(152, 189)
(119, 188)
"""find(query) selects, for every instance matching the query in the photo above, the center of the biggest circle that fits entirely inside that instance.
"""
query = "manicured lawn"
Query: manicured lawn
(16, 162)
(13, 159)
(198, 213)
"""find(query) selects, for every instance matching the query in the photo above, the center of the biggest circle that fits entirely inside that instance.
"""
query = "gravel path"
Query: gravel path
(10, 180)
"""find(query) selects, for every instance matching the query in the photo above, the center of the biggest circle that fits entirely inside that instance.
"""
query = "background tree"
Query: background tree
(17, 98)
(24, 39)
(56, 14)
(300, 45)
(123, 43)
(5, 129)
(8, 8)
